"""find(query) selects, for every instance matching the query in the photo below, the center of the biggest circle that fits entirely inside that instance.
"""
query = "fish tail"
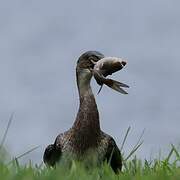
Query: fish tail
(116, 85)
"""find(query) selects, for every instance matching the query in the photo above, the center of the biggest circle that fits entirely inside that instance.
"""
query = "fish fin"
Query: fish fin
(116, 85)
(121, 84)
(100, 89)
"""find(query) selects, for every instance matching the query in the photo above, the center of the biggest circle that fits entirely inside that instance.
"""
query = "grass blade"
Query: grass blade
(140, 137)
(136, 146)
(125, 137)
(6, 131)
(27, 152)
(170, 154)
(24, 154)
(175, 150)
(133, 151)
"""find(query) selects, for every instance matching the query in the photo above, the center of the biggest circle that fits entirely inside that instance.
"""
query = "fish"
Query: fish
(107, 66)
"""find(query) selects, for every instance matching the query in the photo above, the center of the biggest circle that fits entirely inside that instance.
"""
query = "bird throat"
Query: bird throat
(86, 128)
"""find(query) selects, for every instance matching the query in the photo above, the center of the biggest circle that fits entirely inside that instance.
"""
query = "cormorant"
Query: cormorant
(85, 138)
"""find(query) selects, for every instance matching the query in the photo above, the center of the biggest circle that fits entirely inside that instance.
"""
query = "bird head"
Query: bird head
(85, 64)
(86, 60)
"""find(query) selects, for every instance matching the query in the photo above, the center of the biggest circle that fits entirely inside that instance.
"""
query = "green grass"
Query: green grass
(133, 168)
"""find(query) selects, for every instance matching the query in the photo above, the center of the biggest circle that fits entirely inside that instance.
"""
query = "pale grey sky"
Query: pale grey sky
(40, 42)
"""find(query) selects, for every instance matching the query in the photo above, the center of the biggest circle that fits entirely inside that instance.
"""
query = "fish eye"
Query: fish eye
(124, 63)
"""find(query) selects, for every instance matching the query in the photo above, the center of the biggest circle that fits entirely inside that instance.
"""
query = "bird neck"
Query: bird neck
(86, 126)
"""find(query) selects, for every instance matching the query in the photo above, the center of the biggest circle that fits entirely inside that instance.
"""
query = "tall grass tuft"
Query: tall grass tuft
(167, 168)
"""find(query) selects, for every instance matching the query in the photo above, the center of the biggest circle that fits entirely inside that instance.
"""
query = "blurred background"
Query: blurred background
(40, 42)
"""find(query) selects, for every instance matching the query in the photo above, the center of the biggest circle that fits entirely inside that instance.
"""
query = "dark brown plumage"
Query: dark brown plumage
(85, 139)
